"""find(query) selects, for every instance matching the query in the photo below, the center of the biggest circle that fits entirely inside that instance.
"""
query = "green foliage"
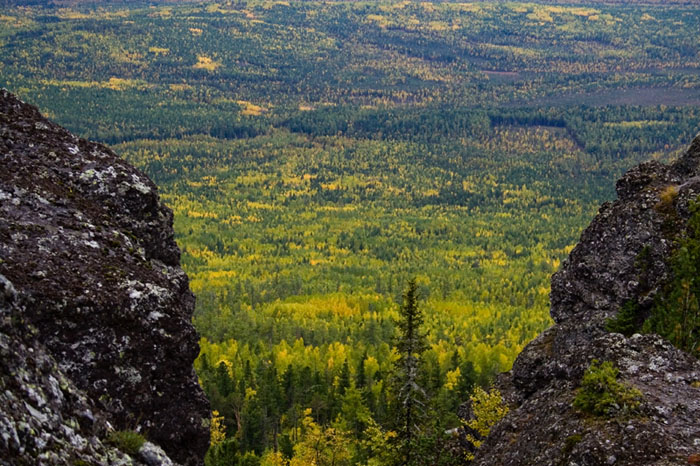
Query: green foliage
(329, 446)
(249, 459)
(676, 313)
(410, 395)
(601, 394)
(627, 321)
(317, 155)
(128, 441)
(225, 453)
(488, 408)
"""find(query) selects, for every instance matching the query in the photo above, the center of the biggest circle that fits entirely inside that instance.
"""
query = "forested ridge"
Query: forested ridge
(318, 156)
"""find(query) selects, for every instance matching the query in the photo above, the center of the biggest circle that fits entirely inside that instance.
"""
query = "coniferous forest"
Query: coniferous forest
(370, 197)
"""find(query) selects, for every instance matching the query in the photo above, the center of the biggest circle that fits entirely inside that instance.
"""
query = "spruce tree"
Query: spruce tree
(410, 396)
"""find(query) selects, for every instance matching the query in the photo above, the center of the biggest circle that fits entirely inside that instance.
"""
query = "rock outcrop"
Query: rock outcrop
(601, 274)
(102, 310)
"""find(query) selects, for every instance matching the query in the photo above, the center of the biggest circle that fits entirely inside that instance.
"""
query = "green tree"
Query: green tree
(676, 315)
(410, 396)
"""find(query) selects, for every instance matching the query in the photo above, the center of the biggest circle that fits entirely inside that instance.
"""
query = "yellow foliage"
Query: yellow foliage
(159, 51)
(540, 15)
(439, 26)
(15, 21)
(320, 446)
(218, 429)
(119, 84)
(635, 123)
(67, 13)
(452, 379)
(196, 214)
(251, 109)
(381, 21)
(668, 195)
(250, 393)
(272, 458)
(488, 409)
(379, 443)
(260, 205)
(206, 63)
(161, 13)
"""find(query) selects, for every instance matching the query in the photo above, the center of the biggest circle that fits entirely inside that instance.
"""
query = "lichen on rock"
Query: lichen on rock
(90, 250)
(600, 278)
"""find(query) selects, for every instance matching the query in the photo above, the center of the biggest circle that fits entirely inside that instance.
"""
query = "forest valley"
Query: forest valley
(337, 167)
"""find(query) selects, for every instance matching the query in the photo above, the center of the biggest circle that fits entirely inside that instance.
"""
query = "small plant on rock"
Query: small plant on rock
(128, 441)
(601, 394)
(627, 320)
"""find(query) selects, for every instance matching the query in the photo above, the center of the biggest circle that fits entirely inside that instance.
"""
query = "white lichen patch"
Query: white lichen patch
(99, 154)
(139, 185)
(36, 397)
(98, 176)
(140, 292)
(36, 414)
(153, 454)
(55, 388)
(129, 374)
(8, 433)
(41, 199)
(88, 174)
(17, 237)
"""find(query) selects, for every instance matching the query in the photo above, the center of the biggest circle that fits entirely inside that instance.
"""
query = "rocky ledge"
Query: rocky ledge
(601, 274)
(93, 300)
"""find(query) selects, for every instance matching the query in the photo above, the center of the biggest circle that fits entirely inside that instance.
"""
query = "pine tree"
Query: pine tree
(361, 376)
(344, 378)
(676, 314)
(410, 396)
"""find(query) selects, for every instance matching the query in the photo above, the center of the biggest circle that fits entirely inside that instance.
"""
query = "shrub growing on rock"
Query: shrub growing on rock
(128, 441)
(601, 394)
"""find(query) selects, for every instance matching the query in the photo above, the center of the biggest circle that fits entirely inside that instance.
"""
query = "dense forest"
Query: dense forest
(320, 156)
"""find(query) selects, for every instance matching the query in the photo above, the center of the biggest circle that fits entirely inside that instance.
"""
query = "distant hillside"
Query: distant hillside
(83, 3)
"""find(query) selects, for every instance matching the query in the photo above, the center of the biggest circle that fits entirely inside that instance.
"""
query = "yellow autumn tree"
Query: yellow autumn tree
(488, 409)
(218, 429)
(321, 446)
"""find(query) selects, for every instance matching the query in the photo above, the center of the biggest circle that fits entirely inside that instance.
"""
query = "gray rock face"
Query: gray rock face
(602, 273)
(44, 417)
(89, 248)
